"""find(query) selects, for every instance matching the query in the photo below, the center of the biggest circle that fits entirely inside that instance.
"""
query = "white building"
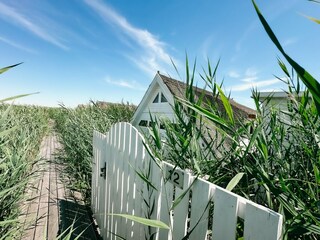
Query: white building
(160, 97)
(274, 99)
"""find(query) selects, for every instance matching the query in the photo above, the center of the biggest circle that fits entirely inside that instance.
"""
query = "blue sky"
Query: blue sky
(78, 50)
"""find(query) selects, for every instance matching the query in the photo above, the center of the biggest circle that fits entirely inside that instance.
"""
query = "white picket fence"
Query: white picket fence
(209, 211)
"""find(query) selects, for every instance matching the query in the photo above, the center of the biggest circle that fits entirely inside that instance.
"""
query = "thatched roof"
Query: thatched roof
(178, 89)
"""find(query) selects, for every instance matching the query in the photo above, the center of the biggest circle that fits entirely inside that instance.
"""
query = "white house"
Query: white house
(275, 99)
(160, 96)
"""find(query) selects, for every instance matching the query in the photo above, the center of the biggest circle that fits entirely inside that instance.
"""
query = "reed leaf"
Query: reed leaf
(2, 70)
(311, 83)
(144, 221)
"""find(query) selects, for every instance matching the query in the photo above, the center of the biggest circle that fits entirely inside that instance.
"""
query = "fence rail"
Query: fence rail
(205, 211)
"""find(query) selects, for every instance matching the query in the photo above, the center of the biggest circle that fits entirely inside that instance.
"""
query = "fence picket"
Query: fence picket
(156, 177)
(98, 187)
(113, 184)
(180, 218)
(225, 215)
(200, 204)
(107, 154)
(138, 201)
(131, 189)
(94, 181)
(120, 175)
(101, 186)
(253, 227)
(166, 193)
(116, 208)
(126, 152)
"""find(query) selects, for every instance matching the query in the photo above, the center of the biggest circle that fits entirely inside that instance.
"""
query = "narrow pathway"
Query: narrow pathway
(51, 207)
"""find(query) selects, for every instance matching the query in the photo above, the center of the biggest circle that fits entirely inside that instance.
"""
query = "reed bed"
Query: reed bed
(75, 128)
(274, 159)
(21, 131)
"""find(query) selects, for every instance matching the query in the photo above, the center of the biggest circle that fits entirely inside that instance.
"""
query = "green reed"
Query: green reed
(75, 128)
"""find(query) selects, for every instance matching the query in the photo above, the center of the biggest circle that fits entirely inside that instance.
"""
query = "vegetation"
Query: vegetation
(21, 130)
(279, 156)
(276, 155)
(75, 128)
(278, 160)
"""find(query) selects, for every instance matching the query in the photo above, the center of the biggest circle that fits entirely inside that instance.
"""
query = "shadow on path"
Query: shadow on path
(76, 218)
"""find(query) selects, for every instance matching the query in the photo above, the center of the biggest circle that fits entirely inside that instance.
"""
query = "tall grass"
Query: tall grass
(21, 130)
(75, 128)
(279, 156)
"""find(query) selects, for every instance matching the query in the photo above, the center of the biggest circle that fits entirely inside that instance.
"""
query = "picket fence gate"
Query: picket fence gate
(210, 211)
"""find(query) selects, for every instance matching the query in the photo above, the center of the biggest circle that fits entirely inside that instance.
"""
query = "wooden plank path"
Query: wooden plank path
(51, 206)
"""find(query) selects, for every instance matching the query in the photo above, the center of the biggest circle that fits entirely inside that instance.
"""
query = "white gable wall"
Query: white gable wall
(160, 109)
(278, 100)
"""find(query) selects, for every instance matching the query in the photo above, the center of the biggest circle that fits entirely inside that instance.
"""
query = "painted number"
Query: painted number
(175, 176)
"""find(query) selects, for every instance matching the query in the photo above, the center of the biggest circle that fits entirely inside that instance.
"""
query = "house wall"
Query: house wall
(159, 110)
(279, 103)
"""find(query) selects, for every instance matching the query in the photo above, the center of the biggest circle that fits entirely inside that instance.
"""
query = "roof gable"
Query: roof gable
(148, 97)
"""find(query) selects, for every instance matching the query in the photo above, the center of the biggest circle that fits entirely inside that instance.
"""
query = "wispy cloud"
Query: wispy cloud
(233, 74)
(289, 41)
(11, 15)
(125, 84)
(205, 46)
(251, 72)
(250, 75)
(249, 85)
(153, 54)
(249, 80)
(271, 90)
(16, 45)
(246, 33)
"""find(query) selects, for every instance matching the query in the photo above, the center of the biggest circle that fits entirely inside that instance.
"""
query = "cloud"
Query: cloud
(289, 41)
(125, 84)
(153, 54)
(246, 33)
(233, 74)
(16, 45)
(249, 79)
(250, 75)
(205, 47)
(11, 15)
(271, 90)
(251, 72)
(249, 85)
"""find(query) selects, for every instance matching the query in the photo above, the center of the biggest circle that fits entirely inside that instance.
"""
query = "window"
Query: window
(163, 98)
(143, 123)
(152, 124)
(156, 99)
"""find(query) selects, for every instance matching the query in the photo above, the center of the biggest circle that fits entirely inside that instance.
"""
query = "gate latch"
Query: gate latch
(103, 170)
